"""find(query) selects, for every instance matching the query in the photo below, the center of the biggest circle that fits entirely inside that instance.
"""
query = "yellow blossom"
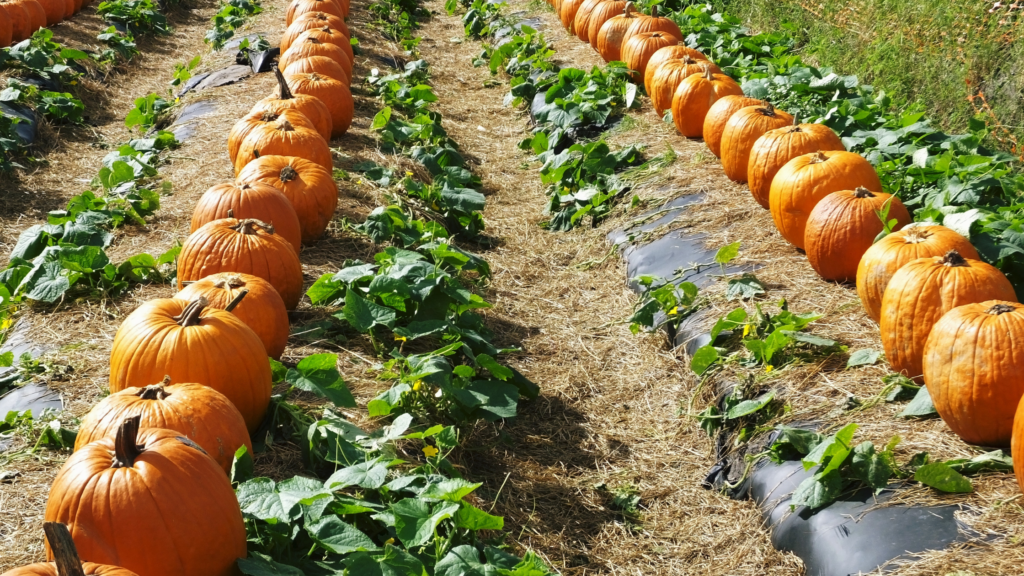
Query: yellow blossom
(389, 541)
(612, 103)
(769, 368)
(407, 173)
(73, 82)
(400, 338)
(673, 311)
(746, 330)
(360, 182)
(417, 385)
(430, 451)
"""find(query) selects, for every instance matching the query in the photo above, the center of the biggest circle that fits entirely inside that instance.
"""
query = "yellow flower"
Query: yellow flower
(430, 451)
(400, 338)
(390, 541)
(360, 182)
(435, 206)
(673, 311)
(417, 385)
(612, 103)
(407, 173)
(769, 368)
(6, 323)
(746, 330)
(73, 82)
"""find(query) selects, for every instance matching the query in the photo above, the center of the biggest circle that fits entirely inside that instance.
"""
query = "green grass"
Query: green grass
(933, 53)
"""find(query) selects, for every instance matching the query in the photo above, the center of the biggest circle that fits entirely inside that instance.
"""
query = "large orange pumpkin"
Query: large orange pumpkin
(160, 506)
(1017, 445)
(613, 33)
(196, 411)
(284, 139)
(843, 226)
(894, 251)
(312, 21)
(670, 74)
(36, 15)
(567, 12)
(742, 130)
(261, 309)
(974, 369)
(803, 181)
(246, 246)
(718, 116)
(306, 46)
(20, 21)
(638, 49)
(299, 7)
(334, 93)
(676, 53)
(6, 27)
(602, 13)
(922, 291)
(694, 97)
(66, 561)
(581, 22)
(654, 23)
(54, 11)
(327, 35)
(320, 65)
(249, 200)
(310, 188)
(258, 117)
(310, 107)
(191, 342)
(776, 147)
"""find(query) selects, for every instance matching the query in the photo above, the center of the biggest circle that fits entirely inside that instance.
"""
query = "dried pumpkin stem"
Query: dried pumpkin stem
(708, 74)
(236, 300)
(916, 235)
(227, 282)
(768, 109)
(628, 11)
(190, 315)
(155, 391)
(288, 174)
(65, 556)
(953, 259)
(1000, 309)
(126, 449)
(269, 116)
(654, 11)
(282, 85)
(862, 192)
(818, 157)
(249, 226)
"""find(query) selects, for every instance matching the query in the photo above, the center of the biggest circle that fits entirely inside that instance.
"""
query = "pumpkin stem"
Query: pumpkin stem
(190, 315)
(708, 74)
(818, 157)
(65, 556)
(126, 450)
(282, 85)
(155, 391)
(284, 126)
(628, 10)
(288, 174)
(326, 29)
(231, 212)
(953, 259)
(1000, 309)
(269, 116)
(231, 281)
(862, 192)
(237, 300)
(767, 110)
(916, 235)
(249, 226)
(654, 11)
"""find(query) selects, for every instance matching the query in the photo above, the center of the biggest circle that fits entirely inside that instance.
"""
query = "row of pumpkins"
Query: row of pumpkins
(945, 317)
(146, 491)
(19, 19)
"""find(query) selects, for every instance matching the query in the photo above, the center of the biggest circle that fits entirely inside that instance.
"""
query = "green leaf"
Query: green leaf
(921, 406)
(865, 357)
(462, 561)
(452, 490)
(334, 535)
(750, 406)
(871, 468)
(319, 374)
(703, 359)
(818, 490)
(743, 288)
(364, 315)
(416, 520)
(241, 466)
(261, 498)
(473, 518)
(46, 282)
(727, 253)
(497, 370)
(940, 476)
(809, 339)
(370, 475)
(259, 566)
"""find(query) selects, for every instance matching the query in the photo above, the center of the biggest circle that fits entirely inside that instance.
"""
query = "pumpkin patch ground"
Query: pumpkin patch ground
(602, 472)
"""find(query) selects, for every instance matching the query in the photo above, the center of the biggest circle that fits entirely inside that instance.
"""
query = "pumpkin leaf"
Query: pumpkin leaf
(363, 314)
(394, 562)
(940, 476)
(744, 288)
(866, 357)
(921, 406)
(257, 565)
(452, 490)
(463, 561)
(241, 466)
(870, 467)
(727, 253)
(819, 490)
(473, 518)
(370, 475)
(416, 520)
(703, 358)
(319, 374)
(747, 407)
(338, 537)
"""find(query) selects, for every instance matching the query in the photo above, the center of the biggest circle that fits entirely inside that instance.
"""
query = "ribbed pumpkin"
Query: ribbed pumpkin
(191, 342)
(676, 52)
(306, 46)
(668, 75)
(742, 130)
(922, 291)
(6, 27)
(35, 13)
(328, 35)
(257, 117)
(894, 251)
(843, 226)
(260, 308)
(567, 12)
(718, 116)
(334, 93)
(613, 33)
(54, 11)
(803, 181)
(581, 22)
(602, 13)
(283, 139)
(321, 65)
(695, 96)
(70, 8)
(310, 107)
(1017, 445)
(20, 21)
(66, 561)
(313, 21)
(974, 367)
(310, 188)
(195, 411)
(300, 7)
(638, 49)
(777, 147)
(654, 23)
(159, 506)
(246, 246)
(254, 200)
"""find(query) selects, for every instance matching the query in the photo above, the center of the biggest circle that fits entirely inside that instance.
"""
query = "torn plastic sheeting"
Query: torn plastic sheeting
(184, 127)
(260, 62)
(236, 42)
(672, 253)
(27, 120)
(223, 77)
(645, 223)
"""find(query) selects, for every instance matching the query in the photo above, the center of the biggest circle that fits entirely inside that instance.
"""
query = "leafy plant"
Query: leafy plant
(232, 16)
(183, 71)
(138, 16)
(119, 45)
(147, 112)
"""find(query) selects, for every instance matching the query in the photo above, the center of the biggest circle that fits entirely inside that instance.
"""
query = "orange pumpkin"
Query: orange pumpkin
(334, 93)
(246, 246)
(803, 181)
(21, 23)
(257, 117)
(196, 411)
(974, 371)
(843, 226)
(249, 200)
(310, 188)
(613, 33)
(676, 53)
(776, 147)
(191, 342)
(321, 65)
(922, 291)
(327, 35)
(1017, 445)
(69, 8)
(742, 130)
(54, 11)
(669, 75)
(694, 97)
(310, 107)
(894, 251)
(718, 116)
(260, 307)
(567, 12)
(36, 15)
(602, 13)
(299, 7)
(313, 21)
(65, 558)
(654, 23)
(304, 47)
(581, 22)
(129, 510)
(6, 27)
(284, 139)
(639, 48)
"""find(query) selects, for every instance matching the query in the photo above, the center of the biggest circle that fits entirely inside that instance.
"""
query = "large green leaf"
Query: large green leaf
(339, 537)
(416, 520)
(940, 476)
(370, 475)
(319, 374)
(364, 315)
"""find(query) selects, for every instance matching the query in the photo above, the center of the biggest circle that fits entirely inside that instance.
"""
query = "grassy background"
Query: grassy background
(940, 54)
